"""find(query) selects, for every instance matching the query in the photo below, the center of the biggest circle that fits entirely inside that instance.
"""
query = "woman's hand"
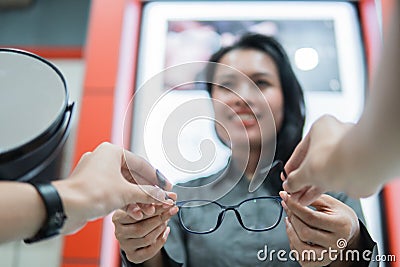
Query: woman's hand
(319, 234)
(142, 239)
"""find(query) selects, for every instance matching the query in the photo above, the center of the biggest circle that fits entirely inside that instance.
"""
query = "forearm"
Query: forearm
(371, 149)
(381, 118)
(22, 211)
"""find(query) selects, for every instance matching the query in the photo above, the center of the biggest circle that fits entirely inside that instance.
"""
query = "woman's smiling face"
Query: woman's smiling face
(248, 98)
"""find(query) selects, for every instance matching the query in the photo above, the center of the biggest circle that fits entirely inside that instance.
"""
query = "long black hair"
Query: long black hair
(291, 131)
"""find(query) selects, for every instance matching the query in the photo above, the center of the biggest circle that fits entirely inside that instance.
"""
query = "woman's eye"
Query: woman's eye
(262, 84)
(226, 85)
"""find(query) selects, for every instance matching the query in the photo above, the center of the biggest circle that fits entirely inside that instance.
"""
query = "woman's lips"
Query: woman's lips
(247, 119)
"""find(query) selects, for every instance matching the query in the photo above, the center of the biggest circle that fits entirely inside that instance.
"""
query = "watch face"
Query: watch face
(57, 221)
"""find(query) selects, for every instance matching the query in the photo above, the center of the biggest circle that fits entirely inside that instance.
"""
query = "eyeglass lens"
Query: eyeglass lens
(200, 216)
(257, 214)
(260, 214)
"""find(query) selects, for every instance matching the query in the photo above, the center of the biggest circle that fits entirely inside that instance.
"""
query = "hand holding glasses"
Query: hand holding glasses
(254, 214)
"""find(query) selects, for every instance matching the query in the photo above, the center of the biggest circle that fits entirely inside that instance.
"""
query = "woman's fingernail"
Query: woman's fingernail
(283, 195)
(135, 208)
(173, 211)
(161, 179)
(166, 232)
(284, 174)
(284, 185)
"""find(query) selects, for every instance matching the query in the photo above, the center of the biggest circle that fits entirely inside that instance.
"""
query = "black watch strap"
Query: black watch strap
(55, 212)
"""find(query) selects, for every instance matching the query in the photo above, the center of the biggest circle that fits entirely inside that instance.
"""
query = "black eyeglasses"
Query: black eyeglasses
(256, 214)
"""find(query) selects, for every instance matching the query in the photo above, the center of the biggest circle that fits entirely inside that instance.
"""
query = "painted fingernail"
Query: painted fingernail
(284, 174)
(166, 197)
(161, 179)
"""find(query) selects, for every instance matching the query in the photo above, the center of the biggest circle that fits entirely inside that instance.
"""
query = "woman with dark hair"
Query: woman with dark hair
(232, 218)
(291, 131)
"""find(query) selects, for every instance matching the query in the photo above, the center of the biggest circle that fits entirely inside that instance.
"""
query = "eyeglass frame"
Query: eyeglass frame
(221, 215)
(224, 209)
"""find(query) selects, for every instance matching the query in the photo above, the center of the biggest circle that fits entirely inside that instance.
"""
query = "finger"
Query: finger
(294, 240)
(139, 165)
(289, 214)
(128, 215)
(308, 195)
(146, 194)
(162, 181)
(159, 210)
(307, 233)
(137, 215)
(298, 155)
(137, 178)
(149, 252)
(310, 235)
(314, 218)
(147, 209)
(147, 240)
(120, 216)
(143, 172)
(134, 211)
(305, 259)
(133, 177)
(139, 229)
(296, 181)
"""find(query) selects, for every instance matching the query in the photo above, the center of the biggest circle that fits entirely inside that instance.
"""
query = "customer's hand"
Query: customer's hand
(316, 234)
(103, 181)
(308, 176)
(142, 239)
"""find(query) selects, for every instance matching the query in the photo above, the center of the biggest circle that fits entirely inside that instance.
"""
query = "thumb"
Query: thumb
(308, 196)
(298, 155)
(296, 181)
(324, 202)
(147, 194)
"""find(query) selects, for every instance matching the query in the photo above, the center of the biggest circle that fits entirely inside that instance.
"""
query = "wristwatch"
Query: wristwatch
(55, 212)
